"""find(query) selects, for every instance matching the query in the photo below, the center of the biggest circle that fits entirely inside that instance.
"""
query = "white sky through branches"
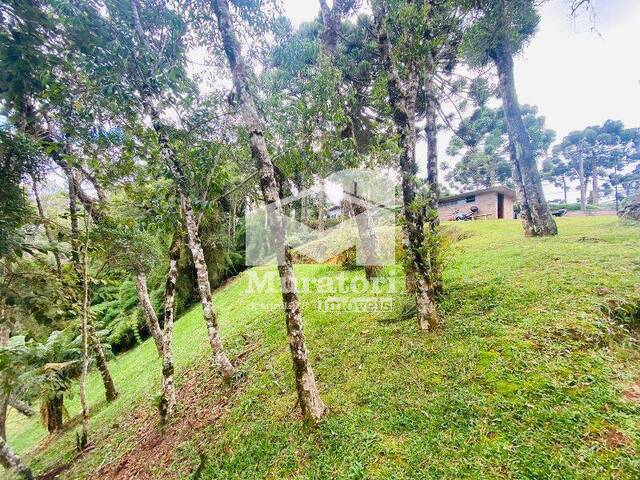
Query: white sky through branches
(575, 75)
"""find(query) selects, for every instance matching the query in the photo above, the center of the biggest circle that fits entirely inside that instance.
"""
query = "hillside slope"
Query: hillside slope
(530, 376)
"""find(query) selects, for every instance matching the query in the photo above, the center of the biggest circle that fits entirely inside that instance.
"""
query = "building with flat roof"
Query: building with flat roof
(490, 203)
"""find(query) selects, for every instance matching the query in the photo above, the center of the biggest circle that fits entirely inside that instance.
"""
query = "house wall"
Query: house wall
(487, 204)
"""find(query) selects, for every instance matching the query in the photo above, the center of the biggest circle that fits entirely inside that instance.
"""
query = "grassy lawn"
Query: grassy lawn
(525, 378)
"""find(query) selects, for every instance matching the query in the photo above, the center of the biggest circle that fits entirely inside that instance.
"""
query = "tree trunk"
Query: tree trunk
(536, 217)
(168, 401)
(101, 360)
(368, 239)
(149, 312)
(564, 189)
(331, 19)
(167, 154)
(582, 180)
(11, 461)
(322, 204)
(101, 363)
(312, 406)
(73, 220)
(409, 275)
(21, 407)
(84, 436)
(595, 191)
(4, 407)
(432, 239)
(54, 407)
(220, 359)
(5, 334)
(402, 100)
(45, 225)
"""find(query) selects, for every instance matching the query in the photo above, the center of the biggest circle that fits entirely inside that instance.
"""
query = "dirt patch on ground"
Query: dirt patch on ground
(202, 400)
(611, 438)
(633, 392)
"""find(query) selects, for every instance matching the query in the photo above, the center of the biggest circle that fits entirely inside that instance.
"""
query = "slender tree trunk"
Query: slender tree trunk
(5, 334)
(11, 461)
(73, 219)
(101, 364)
(101, 360)
(220, 359)
(45, 225)
(409, 275)
(564, 189)
(4, 407)
(21, 407)
(595, 189)
(368, 239)
(149, 312)
(168, 401)
(170, 159)
(402, 100)
(322, 206)
(84, 436)
(536, 217)
(312, 406)
(331, 19)
(204, 287)
(432, 239)
(582, 180)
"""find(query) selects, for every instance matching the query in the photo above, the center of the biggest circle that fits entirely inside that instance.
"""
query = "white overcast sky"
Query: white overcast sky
(575, 75)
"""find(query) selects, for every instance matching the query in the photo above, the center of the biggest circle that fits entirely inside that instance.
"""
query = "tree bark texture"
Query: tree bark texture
(402, 100)
(101, 364)
(433, 188)
(101, 360)
(11, 461)
(21, 407)
(168, 401)
(312, 406)
(536, 217)
(220, 359)
(84, 436)
(149, 312)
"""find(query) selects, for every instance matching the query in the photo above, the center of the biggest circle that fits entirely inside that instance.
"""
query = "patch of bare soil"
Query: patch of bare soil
(202, 401)
(611, 438)
(633, 392)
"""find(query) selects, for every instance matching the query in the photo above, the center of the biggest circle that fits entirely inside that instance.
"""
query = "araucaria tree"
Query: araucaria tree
(312, 406)
(500, 31)
(411, 47)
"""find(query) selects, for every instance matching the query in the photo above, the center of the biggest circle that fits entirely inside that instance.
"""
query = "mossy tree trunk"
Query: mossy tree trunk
(312, 406)
(168, 400)
(147, 308)
(11, 461)
(536, 218)
(402, 98)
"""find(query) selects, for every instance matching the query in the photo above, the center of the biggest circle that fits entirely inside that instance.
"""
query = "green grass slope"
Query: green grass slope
(525, 379)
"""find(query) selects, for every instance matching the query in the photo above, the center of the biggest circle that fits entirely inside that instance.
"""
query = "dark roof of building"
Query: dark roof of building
(504, 190)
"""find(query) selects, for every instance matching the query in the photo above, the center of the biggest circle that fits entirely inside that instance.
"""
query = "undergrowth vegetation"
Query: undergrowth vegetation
(526, 378)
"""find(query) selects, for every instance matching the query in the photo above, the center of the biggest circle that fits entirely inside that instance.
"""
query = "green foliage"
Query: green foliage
(501, 25)
(482, 145)
(605, 150)
(524, 347)
(19, 160)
